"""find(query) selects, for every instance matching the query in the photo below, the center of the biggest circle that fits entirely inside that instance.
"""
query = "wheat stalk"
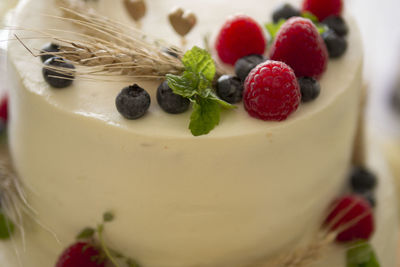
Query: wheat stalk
(105, 48)
(108, 48)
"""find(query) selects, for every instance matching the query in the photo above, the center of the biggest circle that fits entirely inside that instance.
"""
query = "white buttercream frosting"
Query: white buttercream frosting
(248, 190)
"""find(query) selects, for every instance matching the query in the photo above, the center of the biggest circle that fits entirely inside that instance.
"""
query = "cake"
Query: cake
(241, 195)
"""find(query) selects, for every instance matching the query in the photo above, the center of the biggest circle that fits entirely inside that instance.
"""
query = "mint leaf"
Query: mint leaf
(204, 86)
(310, 16)
(86, 233)
(196, 84)
(205, 116)
(199, 61)
(361, 254)
(6, 227)
(273, 28)
(184, 85)
(221, 102)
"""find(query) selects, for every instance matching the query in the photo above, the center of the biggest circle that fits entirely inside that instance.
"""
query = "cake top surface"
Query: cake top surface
(95, 100)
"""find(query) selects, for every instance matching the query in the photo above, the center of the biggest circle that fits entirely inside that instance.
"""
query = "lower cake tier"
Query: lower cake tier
(40, 248)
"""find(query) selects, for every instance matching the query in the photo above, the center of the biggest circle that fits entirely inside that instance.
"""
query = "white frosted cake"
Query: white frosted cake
(245, 193)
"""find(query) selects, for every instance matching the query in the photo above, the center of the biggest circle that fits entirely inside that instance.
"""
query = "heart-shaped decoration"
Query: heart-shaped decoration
(182, 21)
(136, 8)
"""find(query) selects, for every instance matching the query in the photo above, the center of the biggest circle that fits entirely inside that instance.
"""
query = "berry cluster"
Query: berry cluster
(352, 215)
(351, 218)
(297, 42)
(91, 251)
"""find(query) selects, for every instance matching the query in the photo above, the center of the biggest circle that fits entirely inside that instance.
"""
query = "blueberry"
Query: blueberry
(310, 88)
(244, 65)
(171, 102)
(337, 24)
(336, 45)
(58, 73)
(230, 89)
(49, 48)
(285, 11)
(133, 102)
(362, 180)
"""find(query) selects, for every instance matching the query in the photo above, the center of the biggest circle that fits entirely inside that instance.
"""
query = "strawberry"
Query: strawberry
(240, 36)
(323, 8)
(352, 217)
(271, 91)
(81, 254)
(299, 45)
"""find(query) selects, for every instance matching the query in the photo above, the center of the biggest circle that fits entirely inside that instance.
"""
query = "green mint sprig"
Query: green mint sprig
(113, 256)
(196, 84)
(273, 28)
(361, 254)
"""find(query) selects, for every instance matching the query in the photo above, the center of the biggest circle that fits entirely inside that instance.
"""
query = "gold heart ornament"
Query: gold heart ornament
(136, 8)
(182, 21)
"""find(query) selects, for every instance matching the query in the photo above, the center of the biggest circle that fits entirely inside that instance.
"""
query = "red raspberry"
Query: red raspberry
(299, 45)
(239, 37)
(80, 254)
(4, 109)
(271, 91)
(323, 9)
(354, 213)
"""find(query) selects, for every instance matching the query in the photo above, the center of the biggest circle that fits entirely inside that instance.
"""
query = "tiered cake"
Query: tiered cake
(248, 191)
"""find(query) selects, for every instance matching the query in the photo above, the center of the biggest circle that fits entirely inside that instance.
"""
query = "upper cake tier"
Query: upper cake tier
(97, 99)
(248, 190)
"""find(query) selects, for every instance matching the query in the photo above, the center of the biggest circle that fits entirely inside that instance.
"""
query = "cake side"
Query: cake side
(36, 250)
(183, 201)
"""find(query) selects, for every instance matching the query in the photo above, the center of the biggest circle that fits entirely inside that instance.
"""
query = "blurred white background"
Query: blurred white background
(380, 27)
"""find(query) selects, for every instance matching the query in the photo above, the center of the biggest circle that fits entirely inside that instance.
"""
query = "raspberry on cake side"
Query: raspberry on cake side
(247, 192)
